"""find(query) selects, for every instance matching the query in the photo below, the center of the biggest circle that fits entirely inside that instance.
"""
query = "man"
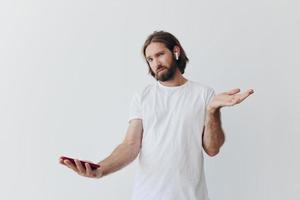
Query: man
(170, 122)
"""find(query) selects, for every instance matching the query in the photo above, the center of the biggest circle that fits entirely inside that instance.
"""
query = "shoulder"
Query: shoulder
(145, 91)
(201, 87)
(148, 88)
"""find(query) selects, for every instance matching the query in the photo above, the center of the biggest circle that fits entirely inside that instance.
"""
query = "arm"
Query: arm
(125, 153)
(213, 136)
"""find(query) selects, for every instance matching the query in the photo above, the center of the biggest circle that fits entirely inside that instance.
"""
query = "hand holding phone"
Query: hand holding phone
(72, 160)
(79, 166)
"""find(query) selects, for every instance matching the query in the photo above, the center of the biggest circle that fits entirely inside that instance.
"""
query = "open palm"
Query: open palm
(229, 98)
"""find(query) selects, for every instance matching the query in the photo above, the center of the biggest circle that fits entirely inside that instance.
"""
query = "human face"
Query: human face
(161, 61)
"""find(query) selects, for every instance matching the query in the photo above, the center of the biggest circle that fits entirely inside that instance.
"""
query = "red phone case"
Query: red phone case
(93, 166)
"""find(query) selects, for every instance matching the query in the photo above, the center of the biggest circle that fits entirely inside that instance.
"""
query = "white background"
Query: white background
(68, 70)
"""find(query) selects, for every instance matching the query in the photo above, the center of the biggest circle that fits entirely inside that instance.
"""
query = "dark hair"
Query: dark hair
(170, 41)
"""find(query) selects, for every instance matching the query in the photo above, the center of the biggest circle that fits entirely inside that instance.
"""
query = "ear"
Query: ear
(176, 49)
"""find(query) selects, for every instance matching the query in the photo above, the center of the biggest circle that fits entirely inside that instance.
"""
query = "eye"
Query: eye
(149, 59)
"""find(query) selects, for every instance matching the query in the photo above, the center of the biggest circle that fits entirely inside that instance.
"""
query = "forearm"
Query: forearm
(119, 158)
(213, 136)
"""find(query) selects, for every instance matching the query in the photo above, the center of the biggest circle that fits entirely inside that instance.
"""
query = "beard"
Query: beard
(167, 73)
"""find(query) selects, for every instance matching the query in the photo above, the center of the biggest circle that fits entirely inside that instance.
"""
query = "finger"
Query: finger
(250, 91)
(70, 165)
(79, 166)
(244, 95)
(88, 169)
(238, 98)
(61, 161)
(233, 91)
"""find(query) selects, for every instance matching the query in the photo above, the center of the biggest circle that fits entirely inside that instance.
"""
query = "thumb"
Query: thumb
(233, 91)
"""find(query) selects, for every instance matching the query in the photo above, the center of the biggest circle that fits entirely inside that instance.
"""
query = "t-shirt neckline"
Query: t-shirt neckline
(172, 87)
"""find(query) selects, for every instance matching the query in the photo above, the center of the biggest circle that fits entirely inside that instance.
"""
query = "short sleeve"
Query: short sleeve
(209, 95)
(135, 108)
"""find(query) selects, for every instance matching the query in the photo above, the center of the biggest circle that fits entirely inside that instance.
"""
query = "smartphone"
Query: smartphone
(93, 166)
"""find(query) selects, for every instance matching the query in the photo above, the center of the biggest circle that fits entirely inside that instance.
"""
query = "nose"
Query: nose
(156, 64)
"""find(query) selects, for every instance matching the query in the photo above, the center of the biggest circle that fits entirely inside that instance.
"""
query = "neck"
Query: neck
(177, 80)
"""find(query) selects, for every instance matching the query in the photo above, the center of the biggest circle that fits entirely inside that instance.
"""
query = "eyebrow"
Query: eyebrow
(155, 54)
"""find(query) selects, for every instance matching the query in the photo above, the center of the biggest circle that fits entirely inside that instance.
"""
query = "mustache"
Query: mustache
(160, 68)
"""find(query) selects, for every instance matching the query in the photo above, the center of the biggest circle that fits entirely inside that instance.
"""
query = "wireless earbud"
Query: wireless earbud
(176, 56)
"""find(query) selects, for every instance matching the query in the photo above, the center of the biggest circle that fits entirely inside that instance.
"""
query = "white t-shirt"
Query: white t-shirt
(170, 163)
